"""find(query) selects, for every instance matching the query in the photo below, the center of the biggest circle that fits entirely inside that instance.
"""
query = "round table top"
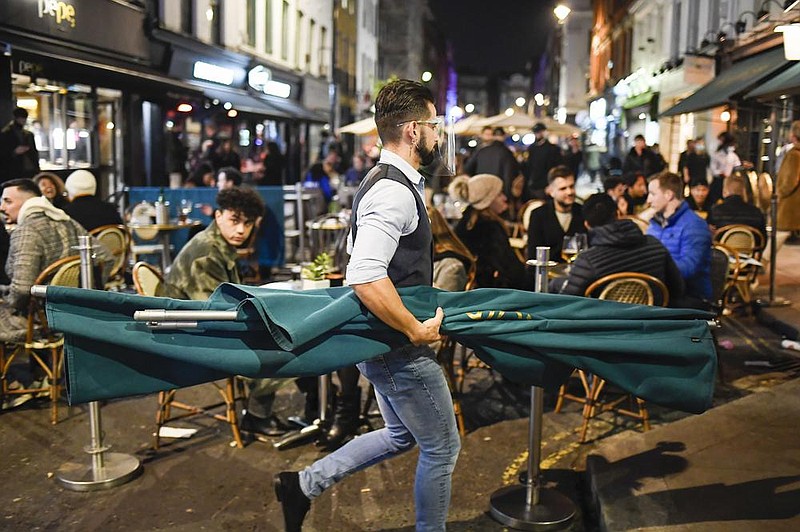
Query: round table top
(173, 225)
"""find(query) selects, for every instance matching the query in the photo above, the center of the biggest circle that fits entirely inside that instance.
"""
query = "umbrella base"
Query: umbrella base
(554, 511)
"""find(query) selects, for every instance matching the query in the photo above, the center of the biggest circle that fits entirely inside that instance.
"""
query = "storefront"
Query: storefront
(85, 79)
(728, 110)
(242, 101)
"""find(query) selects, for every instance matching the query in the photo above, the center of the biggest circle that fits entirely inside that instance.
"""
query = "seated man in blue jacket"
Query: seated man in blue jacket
(619, 246)
(684, 234)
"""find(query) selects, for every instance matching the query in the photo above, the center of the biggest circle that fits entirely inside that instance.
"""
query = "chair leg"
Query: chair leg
(55, 365)
(445, 357)
(643, 414)
(560, 401)
(162, 414)
(230, 406)
(588, 407)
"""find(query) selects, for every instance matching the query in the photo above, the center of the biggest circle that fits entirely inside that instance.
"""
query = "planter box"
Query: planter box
(308, 284)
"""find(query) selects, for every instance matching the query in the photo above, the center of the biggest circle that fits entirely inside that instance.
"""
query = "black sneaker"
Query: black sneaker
(270, 426)
(294, 503)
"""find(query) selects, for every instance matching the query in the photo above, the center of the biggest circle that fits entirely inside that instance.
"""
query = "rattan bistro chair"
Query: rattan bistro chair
(117, 240)
(748, 243)
(623, 287)
(39, 338)
(147, 280)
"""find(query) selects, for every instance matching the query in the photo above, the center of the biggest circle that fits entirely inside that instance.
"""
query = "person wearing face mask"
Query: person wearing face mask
(481, 228)
(557, 218)
(723, 161)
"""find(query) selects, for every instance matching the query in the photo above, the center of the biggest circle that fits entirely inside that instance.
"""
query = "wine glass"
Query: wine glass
(573, 245)
(185, 210)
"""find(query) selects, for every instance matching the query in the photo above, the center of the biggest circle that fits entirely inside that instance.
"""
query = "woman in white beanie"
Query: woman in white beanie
(481, 228)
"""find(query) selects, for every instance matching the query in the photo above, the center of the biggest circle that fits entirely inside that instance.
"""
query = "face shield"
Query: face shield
(444, 156)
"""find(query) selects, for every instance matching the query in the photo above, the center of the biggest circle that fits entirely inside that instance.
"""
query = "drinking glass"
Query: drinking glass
(185, 210)
(573, 245)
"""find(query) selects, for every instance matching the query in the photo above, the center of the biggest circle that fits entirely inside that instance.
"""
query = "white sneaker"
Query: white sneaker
(8, 404)
(45, 383)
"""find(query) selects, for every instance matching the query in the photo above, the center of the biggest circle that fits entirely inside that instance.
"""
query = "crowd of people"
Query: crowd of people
(647, 219)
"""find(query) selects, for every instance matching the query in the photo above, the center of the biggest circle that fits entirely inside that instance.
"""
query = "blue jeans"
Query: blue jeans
(415, 403)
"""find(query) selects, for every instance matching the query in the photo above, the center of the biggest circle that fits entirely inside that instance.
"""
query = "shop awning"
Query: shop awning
(787, 82)
(243, 101)
(296, 110)
(739, 78)
(248, 102)
(111, 74)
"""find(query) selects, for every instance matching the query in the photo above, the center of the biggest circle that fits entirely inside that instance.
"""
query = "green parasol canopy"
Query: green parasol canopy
(665, 356)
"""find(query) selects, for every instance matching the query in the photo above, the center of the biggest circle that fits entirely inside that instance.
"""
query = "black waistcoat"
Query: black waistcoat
(412, 264)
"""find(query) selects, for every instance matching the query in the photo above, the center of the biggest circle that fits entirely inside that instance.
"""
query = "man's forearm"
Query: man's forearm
(381, 298)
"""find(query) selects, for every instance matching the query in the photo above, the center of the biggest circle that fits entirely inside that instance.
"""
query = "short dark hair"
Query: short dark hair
(243, 200)
(670, 181)
(499, 131)
(24, 185)
(231, 174)
(559, 171)
(19, 112)
(632, 177)
(400, 101)
(612, 182)
(699, 182)
(638, 137)
(599, 209)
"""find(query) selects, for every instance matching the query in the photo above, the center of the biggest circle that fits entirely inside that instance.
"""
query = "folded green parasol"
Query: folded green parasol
(665, 356)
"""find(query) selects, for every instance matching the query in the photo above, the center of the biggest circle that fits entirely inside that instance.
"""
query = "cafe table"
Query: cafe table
(164, 232)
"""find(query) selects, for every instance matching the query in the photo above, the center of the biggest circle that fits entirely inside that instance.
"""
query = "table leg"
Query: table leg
(166, 258)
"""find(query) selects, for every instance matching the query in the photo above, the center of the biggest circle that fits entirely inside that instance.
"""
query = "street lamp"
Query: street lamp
(561, 12)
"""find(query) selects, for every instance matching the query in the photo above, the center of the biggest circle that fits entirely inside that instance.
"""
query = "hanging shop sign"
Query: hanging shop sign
(213, 73)
(260, 79)
(791, 41)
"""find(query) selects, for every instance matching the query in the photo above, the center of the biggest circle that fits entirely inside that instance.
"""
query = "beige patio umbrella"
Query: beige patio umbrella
(362, 127)
(469, 125)
(522, 121)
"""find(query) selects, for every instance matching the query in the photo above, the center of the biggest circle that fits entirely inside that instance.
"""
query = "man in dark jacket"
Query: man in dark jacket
(693, 164)
(18, 155)
(619, 246)
(542, 157)
(496, 159)
(734, 210)
(642, 159)
(561, 217)
(86, 208)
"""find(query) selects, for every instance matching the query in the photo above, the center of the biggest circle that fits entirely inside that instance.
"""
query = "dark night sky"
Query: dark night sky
(495, 36)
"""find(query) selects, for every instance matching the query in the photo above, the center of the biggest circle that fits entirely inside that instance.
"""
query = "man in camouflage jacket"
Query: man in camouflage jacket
(208, 260)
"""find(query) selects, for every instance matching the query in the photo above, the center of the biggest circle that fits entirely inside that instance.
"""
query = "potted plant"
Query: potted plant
(313, 275)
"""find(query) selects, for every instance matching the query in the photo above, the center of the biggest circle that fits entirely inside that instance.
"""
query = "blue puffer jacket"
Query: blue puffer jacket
(688, 239)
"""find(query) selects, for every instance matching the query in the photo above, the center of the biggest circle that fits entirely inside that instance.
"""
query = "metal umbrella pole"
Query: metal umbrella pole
(531, 506)
(190, 319)
(106, 470)
(773, 214)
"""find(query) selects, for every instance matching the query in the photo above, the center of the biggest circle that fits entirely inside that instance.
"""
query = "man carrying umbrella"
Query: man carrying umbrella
(390, 244)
